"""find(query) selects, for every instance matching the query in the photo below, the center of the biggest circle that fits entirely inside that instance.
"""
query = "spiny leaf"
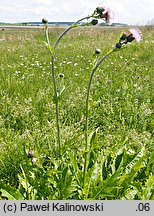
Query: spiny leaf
(148, 189)
(10, 192)
(118, 160)
(7, 194)
(108, 185)
(92, 137)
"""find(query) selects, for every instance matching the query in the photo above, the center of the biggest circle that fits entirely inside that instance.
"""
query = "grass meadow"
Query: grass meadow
(121, 157)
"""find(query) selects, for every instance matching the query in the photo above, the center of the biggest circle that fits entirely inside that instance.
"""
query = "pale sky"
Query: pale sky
(125, 11)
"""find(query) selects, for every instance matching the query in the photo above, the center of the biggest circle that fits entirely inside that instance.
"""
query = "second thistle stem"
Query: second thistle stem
(56, 103)
(87, 114)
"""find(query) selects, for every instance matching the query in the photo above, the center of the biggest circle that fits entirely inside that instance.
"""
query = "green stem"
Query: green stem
(47, 34)
(55, 93)
(56, 103)
(87, 113)
(70, 27)
(54, 80)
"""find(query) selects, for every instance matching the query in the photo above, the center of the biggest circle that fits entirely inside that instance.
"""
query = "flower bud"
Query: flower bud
(123, 36)
(97, 51)
(61, 75)
(44, 21)
(118, 45)
(94, 22)
(100, 10)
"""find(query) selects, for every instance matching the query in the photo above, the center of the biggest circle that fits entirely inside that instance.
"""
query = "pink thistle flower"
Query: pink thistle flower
(108, 15)
(104, 13)
(136, 34)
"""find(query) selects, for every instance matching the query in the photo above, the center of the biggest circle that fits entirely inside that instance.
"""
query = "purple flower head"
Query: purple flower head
(108, 15)
(136, 34)
(104, 13)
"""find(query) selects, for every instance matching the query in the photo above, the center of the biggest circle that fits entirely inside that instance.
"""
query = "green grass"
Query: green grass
(120, 163)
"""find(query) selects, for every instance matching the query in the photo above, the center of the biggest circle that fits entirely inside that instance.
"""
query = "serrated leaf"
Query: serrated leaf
(109, 184)
(118, 160)
(24, 183)
(7, 194)
(148, 189)
(64, 173)
(10, 192)
(92, 137)
(130, 194)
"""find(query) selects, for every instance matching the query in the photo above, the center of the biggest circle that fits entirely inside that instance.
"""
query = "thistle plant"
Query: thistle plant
(99, 13)
(124, 39)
